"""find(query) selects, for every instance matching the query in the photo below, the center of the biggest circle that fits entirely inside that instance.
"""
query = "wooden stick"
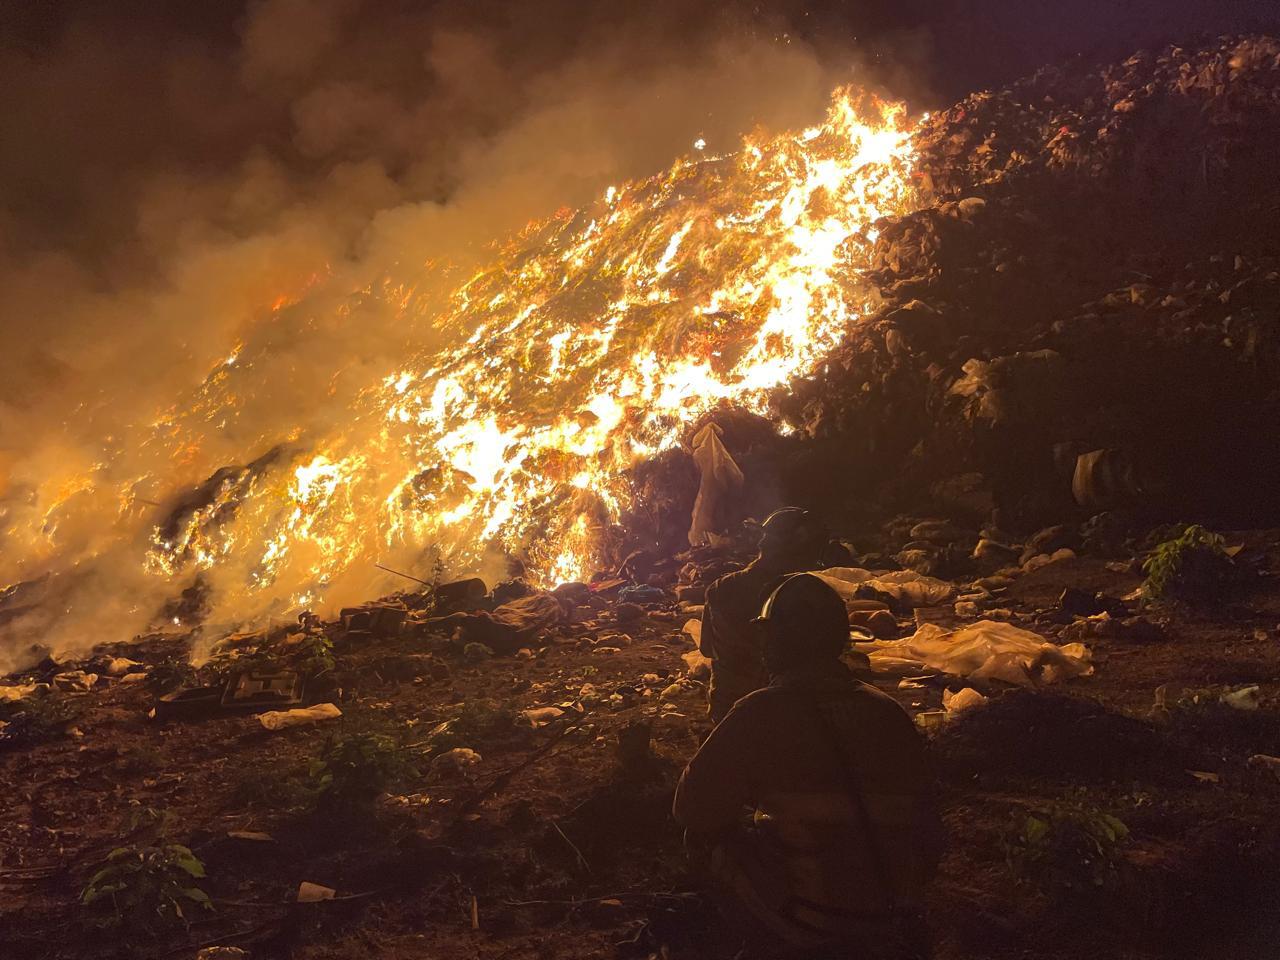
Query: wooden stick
(425, 583)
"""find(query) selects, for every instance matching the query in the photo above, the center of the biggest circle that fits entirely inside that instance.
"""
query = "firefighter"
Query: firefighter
(791, 540)
(812, 799)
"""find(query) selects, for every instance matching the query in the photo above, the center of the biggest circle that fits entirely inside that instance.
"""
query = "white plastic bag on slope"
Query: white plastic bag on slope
(987, 650)
(906, 585)
(721, 479)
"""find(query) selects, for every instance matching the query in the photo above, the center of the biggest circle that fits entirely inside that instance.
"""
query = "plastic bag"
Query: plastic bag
(721, 477)
(905, 585)
(282, 719)
(987, 650)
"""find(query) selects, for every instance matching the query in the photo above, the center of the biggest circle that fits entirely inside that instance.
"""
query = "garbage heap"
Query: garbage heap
(1084, 318)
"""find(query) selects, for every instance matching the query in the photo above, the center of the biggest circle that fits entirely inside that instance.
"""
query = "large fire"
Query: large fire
(591, 341)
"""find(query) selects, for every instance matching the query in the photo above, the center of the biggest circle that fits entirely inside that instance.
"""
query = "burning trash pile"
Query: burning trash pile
(1048, 299)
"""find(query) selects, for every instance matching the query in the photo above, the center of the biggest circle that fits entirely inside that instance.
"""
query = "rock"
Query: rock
(941, 532)
(627, 612)
(457, 593)
(1246, 698)
(993, 554)
(1266, 763)
(694, 593)
(1048, 540)
(634, 750)
(314, 892)
(880, 623)
(457, 759)
(1044, 559)
(476, 651)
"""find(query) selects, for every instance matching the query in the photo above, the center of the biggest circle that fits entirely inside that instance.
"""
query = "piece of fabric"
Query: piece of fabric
(910, 587)
(775, 755)
(987, 649)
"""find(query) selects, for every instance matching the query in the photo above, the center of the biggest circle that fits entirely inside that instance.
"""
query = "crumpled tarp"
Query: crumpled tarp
(985, 650)
(905, 585)
(721, 478)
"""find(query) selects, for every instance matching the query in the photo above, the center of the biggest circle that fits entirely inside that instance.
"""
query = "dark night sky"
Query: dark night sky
(973, 43)
(105, 101)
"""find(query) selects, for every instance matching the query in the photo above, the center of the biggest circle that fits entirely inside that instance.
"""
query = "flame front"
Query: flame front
(591, 342)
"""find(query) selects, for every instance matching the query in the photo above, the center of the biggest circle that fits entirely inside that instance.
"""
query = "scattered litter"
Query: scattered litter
(986, 649)
(643, 593)
(699, 667)
(222, 953)
(119, 666)
(314, 892)
(280, 719)
(12, 694)
(905, 586)
(254, 836)
(261, 689)
(1204, 776)
(75, 681)
(961, 700)
(1266, 762)
(541, 716)
(1246, 698)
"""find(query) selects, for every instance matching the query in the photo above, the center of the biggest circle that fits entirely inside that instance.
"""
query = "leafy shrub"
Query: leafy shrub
(146, 884)
(316, 655)
(1070, 845)
(36, 719)
(356, 768)
(479, 720)
(1192, 567)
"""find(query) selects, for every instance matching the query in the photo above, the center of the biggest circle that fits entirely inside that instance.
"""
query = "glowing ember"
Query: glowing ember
(590, 343)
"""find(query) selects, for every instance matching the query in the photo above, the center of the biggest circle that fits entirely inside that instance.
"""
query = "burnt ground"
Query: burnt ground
(550, 847)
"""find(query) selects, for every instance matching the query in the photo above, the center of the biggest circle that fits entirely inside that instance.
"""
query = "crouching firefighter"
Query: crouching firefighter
(812, 800)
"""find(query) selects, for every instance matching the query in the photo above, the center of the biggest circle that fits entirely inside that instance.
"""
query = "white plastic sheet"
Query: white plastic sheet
(905, 585)
(986, 650)
(721, 479)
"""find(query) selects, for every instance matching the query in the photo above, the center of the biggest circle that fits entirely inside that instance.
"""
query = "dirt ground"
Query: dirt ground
(550, 847)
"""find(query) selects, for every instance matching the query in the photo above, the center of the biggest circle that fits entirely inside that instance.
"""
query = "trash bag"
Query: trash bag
(721, 479)
(907, 586)
(985, 650)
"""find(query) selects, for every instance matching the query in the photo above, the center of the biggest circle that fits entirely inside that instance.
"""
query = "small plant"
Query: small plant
(1192, 567)
(146, 883)
(1070, 845)
(36, 719)
(479, 720)
(316, 655)
(356, 768)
